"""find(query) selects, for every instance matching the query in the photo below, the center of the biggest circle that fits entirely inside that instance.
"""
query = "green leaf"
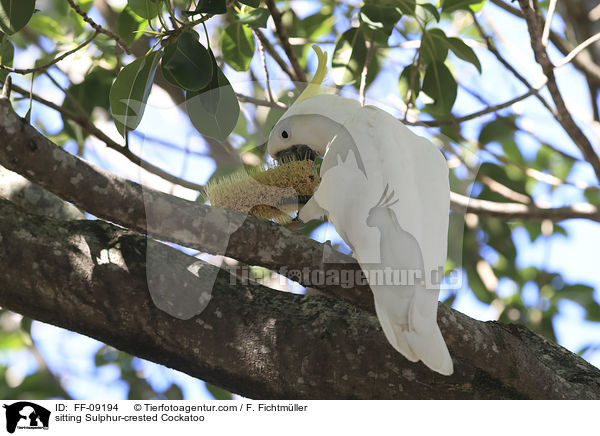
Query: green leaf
(434, 46)
(291, 22)
(47, 26)
(318, 24)
(129, 92)
(579, 293)
(372, 72)
(174, 393)
(256, 18)
(432, 10)
(439, 84)
(511, 151)
(127, 25)
(497, 130)
(463, 51)
(410, 80)
(93, 92)
(15, 14)
(214, 7)
(592, 196)
(187, 64)
(7, 52)
(553, 162)
(407, 7)
(478, 287)
(237, 46)
(218, 393)
(514, 180)
(145, 8)
(476, 7)
(251, 3)
(214, 110)
(467, 5)
(381, 18)
(349, 57)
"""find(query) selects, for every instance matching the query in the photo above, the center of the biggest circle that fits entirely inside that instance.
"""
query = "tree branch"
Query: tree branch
(492, 48)
(573, 53)
(519, 211)
(487, 110)
(169, 218)
(273, 53)
(285, 41)
(583, 63)
(259, 102)
(88, 126)
(93, 278)
(99, 28)
(52, 62)
(563, 115)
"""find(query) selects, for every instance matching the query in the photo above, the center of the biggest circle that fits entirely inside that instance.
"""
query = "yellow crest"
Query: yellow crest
(312, 89)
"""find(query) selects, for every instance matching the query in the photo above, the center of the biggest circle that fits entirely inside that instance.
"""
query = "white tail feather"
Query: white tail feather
(394, 333)
(425, 343)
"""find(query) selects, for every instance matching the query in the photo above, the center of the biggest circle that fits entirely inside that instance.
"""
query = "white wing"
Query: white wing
(417, 173)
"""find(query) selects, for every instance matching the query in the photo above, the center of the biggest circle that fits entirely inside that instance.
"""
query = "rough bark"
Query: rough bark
(91, 277)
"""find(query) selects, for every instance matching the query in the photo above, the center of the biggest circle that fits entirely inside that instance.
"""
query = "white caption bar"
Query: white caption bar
(299, 417)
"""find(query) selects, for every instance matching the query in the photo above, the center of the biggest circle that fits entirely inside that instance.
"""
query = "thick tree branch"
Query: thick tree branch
(165, 217)
(93, 278)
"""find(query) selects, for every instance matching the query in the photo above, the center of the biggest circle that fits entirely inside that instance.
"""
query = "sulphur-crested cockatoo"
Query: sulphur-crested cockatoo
(386, 191)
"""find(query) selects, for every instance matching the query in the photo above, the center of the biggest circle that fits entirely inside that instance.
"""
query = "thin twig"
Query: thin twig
(365, 70)
(546, 32)
(52, 62)
(582, 63)
(562, 112)
(518, 211)
(285, 42)
(492, 48)
(568, 58)
(7, 87)
(87, 125)
(494, 185)
(263, 59)
(247, 99)
(487, 110)
(273, 53)
(101, 29)
(504, 190)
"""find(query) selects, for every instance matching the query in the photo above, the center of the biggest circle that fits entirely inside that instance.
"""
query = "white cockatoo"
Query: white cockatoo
(386, 191)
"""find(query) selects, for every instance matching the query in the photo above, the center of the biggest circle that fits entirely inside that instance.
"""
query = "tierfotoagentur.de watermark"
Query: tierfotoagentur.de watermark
(345, 277)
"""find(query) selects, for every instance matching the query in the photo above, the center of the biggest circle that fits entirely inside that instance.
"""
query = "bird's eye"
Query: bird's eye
(285, 134)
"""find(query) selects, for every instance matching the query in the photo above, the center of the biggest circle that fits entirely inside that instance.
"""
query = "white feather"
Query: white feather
(369, 151)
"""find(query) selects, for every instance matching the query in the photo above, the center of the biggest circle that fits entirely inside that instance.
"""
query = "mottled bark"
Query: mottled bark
(91, 277)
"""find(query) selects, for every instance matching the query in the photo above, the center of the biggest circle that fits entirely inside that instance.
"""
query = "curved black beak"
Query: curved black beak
(296, 152)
